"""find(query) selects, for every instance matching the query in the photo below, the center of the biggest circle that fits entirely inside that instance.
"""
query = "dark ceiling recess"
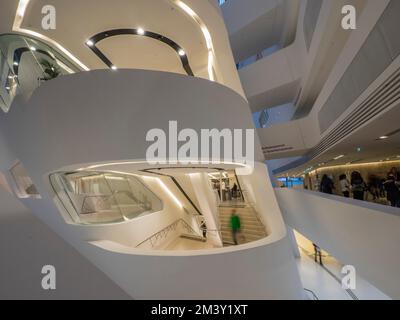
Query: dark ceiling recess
(141, 33)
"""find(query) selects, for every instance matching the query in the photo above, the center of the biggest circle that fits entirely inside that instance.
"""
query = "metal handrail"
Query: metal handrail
(163, 233)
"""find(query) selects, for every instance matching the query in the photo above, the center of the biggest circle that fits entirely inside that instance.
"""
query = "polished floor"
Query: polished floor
(323, 282)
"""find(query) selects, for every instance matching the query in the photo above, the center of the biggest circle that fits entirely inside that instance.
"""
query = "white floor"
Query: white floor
(325, 285)
(188, 244)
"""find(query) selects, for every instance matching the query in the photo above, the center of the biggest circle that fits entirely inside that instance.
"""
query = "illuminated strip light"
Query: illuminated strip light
(373, 163)
(171, 195)
(206, 34)
(19, 17)
(200, 162)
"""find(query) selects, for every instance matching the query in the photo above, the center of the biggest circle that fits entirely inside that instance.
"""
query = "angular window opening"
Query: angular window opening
(103, 197)
(23, 182)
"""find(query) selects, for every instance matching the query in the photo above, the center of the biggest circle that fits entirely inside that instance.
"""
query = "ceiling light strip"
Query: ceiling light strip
(206, 34)
(91, 43)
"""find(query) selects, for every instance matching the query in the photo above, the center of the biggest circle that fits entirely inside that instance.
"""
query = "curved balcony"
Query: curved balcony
(26, 63)
(100, 131)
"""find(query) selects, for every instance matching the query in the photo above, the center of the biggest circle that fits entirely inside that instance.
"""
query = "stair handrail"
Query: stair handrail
(163, 233)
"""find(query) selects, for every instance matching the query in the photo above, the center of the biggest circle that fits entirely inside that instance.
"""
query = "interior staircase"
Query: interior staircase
(251, 227)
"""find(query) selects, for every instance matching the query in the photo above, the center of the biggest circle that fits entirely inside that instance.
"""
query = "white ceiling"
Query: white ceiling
(77, 21)
(365, 138)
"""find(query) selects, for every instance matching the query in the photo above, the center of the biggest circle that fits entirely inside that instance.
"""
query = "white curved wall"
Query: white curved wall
(307, 129)
(26, 245)
(357, 233)
(103, 116)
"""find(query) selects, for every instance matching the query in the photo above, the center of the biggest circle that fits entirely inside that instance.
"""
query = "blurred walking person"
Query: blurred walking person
(235, 226)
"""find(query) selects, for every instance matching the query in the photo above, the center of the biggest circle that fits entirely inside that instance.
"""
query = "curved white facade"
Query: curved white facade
(127, 128)
(98, 120)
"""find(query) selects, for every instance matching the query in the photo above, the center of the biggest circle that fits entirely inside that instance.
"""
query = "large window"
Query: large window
(23, 182)
(103, 197)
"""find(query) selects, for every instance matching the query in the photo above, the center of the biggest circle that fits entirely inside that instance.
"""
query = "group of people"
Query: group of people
(377, 187)
(228, 193)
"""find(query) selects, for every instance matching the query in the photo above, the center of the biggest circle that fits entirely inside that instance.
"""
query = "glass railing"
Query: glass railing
(26, 63)
(102, 197)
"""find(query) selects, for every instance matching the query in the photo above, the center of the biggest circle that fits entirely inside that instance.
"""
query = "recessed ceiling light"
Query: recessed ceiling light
(32, 48)
(90, 43)
(114, 68)
(181, 52)
(383, 137)
(140, 31)
(339, 157)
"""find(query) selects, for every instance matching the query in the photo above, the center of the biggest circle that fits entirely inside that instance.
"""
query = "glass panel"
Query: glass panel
(102, 197)
(8, 84)
(26, 63)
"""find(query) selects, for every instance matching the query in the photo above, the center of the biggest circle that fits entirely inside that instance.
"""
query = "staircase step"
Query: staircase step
(245, 230)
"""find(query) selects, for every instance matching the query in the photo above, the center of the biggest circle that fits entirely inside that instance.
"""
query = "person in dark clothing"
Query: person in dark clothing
(327, 185)
(381, 188)
(373, 186)
(396, 174)
(317, 254)
(234, 191)
(357, 186)
(392, 190)
(235, 226)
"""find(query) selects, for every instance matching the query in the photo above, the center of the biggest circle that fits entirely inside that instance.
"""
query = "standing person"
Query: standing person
(218, 188)
(234, 190)
(395, 173)
(357, 185)
(381, 187)
(373, 186)
(392, 190)
(327, 185)
(235, 226)
(345, 186)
